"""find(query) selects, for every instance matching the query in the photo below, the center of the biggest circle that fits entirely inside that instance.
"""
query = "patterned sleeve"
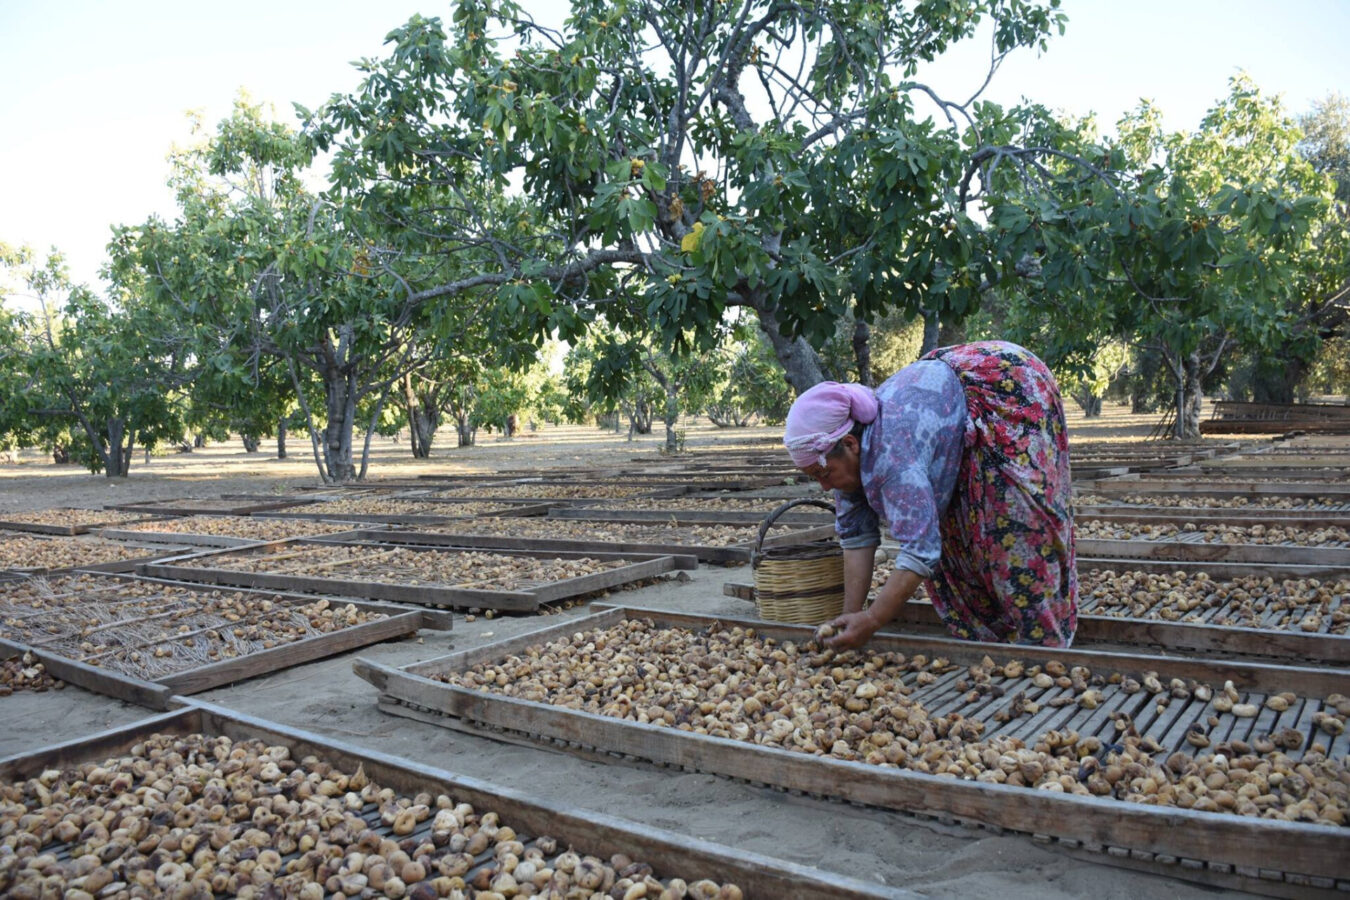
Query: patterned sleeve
(910, 471)
(854, 521)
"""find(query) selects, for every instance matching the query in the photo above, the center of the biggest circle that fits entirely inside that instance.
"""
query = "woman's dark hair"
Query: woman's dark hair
(856, 431)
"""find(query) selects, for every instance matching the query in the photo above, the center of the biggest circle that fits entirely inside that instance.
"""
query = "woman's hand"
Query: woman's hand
(852, 630)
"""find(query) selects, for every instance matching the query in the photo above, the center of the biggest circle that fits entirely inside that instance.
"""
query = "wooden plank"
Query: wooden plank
(536, 549)
(602, 580)
(506, 601)
(190, 539)
(440, 512)
(175, 537)
(1132, 484)
(599, 834)
(735, 553)
(523, 600)
(296, 653)
(441, 619)
(1292, 647)
(311, 568)
(1203, 516)
(66, 530)
(1213, 569)
(1210, 552)
(698, 516)
(190, 506)
(1252, 473)
(1297, 847)
(100, 681)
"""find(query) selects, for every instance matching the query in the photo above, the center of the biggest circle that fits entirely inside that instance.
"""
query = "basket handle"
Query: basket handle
(769, 519)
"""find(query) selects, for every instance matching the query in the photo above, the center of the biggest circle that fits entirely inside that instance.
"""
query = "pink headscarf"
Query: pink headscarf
(822, 415)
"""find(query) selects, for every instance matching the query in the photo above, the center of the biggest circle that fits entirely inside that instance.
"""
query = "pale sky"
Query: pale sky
(95, 91)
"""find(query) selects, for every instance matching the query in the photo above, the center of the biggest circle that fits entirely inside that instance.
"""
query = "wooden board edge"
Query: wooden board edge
(1308, 849)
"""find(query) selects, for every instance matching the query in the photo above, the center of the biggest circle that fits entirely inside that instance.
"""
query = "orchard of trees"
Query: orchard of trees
(705, 206)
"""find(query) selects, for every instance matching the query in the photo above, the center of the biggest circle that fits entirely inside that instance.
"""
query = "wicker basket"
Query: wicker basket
(799, 583)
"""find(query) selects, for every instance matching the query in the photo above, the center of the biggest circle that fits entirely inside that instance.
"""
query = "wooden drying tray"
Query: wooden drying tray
(1130, 484)
(67, 530)
(734, 554)
(638, 568)
(188, 539)
(1198, 551)
(129, 564)
(689, 481)
(1225, 850)
(1263, 474)
(511, 508)
(655, 493)
(186, 506)
(1200, 515)
(1214, 569)
(1151, 635)
(669, 854)
(689, 516)
(155, 693)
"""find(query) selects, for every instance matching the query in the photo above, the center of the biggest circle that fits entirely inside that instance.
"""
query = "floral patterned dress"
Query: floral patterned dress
(986, 517)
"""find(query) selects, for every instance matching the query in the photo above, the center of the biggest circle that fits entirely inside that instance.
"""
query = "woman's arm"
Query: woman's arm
(858, 563)
(857, 627)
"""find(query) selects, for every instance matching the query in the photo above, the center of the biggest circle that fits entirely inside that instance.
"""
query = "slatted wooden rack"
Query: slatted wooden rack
(197, 567)
(1225, 850)
(760, 877)
(156, 693)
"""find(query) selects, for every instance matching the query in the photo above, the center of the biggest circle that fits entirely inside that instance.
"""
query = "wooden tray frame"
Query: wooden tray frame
(733, 554)
(1128, 484)
(1163, 515)
(591, 832)
(212, 540)
(155, 694)
(638, 569)
(112, 566)
(1187, 551)
(1228, 850)
(63, 530)
(689, 516)
(657, 493)
(514, 509)
(240, 508)
(1290, 648)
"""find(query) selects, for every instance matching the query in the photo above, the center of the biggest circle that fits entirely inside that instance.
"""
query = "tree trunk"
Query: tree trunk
(281, 439)
(117, 455)
(337, 444)
(952, 332)
(251, 442)
(672, 415)
(424, 417)
(1186, 405)
(60, 455)
(199, 441)
(800, 362)
(1088, 402)
(465, 430)
(639, 418)
(932, 325)
(1276, 382)
(862, 351)
(1194, 395)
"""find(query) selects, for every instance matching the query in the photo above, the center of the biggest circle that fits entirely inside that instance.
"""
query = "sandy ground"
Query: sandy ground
(327, 698)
